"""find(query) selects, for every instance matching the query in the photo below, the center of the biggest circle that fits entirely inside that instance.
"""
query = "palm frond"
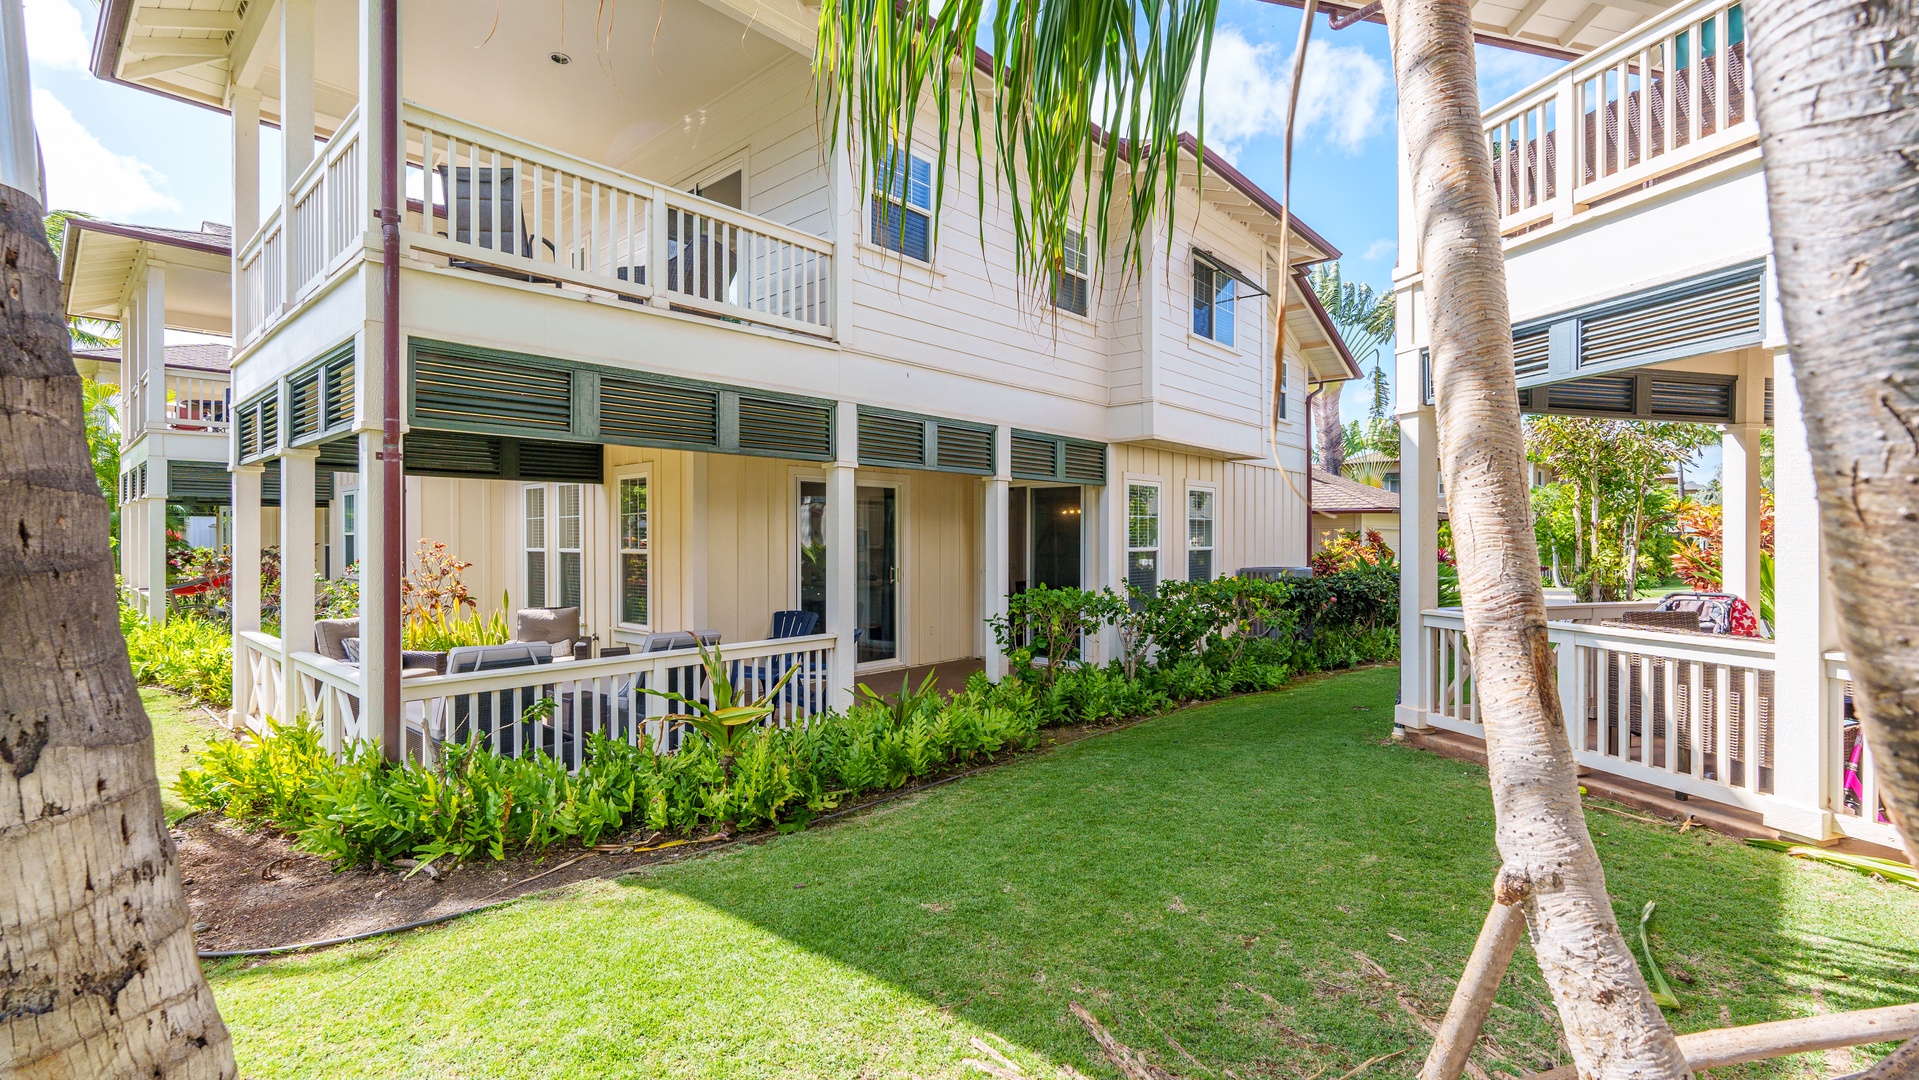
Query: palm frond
(1084, 99)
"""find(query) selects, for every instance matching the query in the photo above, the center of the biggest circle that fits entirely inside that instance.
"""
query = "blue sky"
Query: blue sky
(127, 155)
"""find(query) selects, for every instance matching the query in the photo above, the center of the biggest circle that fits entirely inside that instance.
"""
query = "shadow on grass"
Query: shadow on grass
(1207, 883)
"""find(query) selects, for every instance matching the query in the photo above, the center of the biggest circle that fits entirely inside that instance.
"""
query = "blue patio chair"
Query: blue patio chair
(788, 624)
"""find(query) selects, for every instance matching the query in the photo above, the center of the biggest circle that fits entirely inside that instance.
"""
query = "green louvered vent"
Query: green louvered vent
(1529, 352)
(782, 428)
(886, 439)
(964, 449)
(648, 413)
(1034, 457)
(1720, 316)
(269, 422)
(339, 392)
(561, 463)
(1085, 463)
(1687, 399)
(198, 482)
(270, 486)
(1768, 402)
(1606, 394)
(341, 454)
(464, 391)
(303, 406)
(249, 433)
(451, 453)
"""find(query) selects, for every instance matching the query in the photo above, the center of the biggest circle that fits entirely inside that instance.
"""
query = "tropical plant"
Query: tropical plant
(907, 703)
(84, 333)
(433, 587)
(1345, 549)
(437, 630)
(732, 714)
(1364, 319)
(1051, 623)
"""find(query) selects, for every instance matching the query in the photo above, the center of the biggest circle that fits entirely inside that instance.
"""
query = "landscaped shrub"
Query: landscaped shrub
(187, 653)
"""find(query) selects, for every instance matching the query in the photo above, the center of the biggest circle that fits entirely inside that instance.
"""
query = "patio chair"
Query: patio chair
(470, 214)
(329, 637)
(557, 627)
(788, 624)
(488, 717)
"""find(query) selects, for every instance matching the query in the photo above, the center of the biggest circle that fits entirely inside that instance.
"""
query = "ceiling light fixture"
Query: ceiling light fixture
(560, 58)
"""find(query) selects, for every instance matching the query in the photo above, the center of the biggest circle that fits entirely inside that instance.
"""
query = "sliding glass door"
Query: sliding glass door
(876, 575)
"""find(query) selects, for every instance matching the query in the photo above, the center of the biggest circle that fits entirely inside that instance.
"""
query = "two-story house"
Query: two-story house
(1631, 193)
(666, 361)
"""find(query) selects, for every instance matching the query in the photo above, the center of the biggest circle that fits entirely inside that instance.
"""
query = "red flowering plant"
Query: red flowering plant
(1346, 549)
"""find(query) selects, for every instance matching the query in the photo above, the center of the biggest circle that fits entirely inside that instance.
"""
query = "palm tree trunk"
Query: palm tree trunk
(100, 977)
(1611, 1023)
(1838, 105)
(1332, 434)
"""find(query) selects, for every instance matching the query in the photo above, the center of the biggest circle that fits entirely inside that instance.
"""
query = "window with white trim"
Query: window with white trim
(1199, 533)
(1213, 293)
(1282, 387)
(349, 529)
(635, 552)
(1072, 283)
(902, 217)
(533, 542)
(571, 557)
(1142, 538)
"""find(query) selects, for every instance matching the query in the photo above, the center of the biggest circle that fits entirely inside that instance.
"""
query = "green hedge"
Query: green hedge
(186, 653)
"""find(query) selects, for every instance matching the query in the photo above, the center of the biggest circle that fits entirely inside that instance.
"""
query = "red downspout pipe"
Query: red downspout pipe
(1313, 393)
(393, 487)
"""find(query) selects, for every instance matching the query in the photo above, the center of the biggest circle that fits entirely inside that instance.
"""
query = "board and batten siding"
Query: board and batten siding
(1259, 515)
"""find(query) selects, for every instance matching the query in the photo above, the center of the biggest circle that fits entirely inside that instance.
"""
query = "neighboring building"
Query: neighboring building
(174, 402)
(1341, 504)
(1631, 190)
(1374, 468)
(665, 362)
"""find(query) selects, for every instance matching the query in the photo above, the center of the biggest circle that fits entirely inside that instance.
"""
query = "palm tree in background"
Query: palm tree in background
(86, 333)
(1083, 102)
(1364, 319)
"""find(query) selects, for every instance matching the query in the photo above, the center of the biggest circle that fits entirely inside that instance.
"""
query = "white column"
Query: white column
(373, 107)
(246, 574)
(1418, 528)
(153, 539)
(377, 577)
(842, 555)
(694, 565)
(246, 165)
(296, 123)
(153, 343)
(1805, 728)
(1740, 481)
(995, 547)
(297, 523)
(19, 152)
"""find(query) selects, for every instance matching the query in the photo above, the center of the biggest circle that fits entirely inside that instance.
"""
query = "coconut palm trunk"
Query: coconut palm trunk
(1331, 433)
(1611, 1023)
(100, 977)
(1838, 102)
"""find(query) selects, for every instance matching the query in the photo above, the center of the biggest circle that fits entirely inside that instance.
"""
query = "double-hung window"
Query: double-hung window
(635, 552)
(533, 543)
(902, 218)
(571, 557)
(349, 530)
(1199, 533)
(1213, 292)
(1072, 282)
(1142, 538)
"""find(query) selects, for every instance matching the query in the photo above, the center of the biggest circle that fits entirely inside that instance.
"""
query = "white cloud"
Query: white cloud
(57, 35)
(1342, 94)
(1505, 72)
(1381, 248)
(84, 175)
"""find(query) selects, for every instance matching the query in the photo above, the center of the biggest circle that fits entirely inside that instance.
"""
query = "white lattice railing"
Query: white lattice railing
(258, 666)
(1858, 808)
(329, 698)
(1687, 713)
(1662, 98)
(329, 208)
(503, 206)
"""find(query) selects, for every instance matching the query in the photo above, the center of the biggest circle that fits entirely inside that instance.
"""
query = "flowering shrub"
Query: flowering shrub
(1346, 549)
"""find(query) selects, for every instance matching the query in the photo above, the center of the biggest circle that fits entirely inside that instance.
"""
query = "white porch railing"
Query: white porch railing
(329, 208)
(330, 697)
(1858, 808)
(198, 403)
(1688, 714)
(261, 271)
(1660, 99)
(501, 205)
(258, 661)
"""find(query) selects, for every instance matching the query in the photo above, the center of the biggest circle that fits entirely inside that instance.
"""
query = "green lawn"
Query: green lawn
(181, 730)
(1207, 878)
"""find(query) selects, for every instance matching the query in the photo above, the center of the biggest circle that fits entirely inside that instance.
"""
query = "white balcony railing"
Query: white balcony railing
(261, 273)
(1663, 98)
(1857, 805)
(604, 697)
(280, 264)
(198, 403)
(498, 205)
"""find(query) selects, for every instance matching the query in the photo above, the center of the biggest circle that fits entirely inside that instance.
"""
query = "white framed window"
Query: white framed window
(533, 542)
(1283, 365)
(349, 530)
(635, 552)
(571, 556)
(1214, 291)
(902, 216)
(1142, 537)
(1072, 283)
(1201, 531)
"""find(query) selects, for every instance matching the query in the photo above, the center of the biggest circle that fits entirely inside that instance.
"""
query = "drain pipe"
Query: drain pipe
(1310, 395)
(393, 477)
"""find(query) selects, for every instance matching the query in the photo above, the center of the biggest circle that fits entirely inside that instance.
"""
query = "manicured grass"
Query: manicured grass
(1210, 877)
(181, 730)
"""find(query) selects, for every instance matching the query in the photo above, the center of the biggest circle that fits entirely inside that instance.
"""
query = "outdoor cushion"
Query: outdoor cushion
(329, 637)
(554, 625)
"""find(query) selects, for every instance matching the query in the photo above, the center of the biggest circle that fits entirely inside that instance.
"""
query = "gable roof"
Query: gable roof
(1338, 495)
(197, 356)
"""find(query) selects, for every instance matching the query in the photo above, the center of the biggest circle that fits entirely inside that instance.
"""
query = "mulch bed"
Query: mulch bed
(250, 889)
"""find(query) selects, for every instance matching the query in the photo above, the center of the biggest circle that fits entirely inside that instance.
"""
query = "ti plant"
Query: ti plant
(908, 702)
(726, 721)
